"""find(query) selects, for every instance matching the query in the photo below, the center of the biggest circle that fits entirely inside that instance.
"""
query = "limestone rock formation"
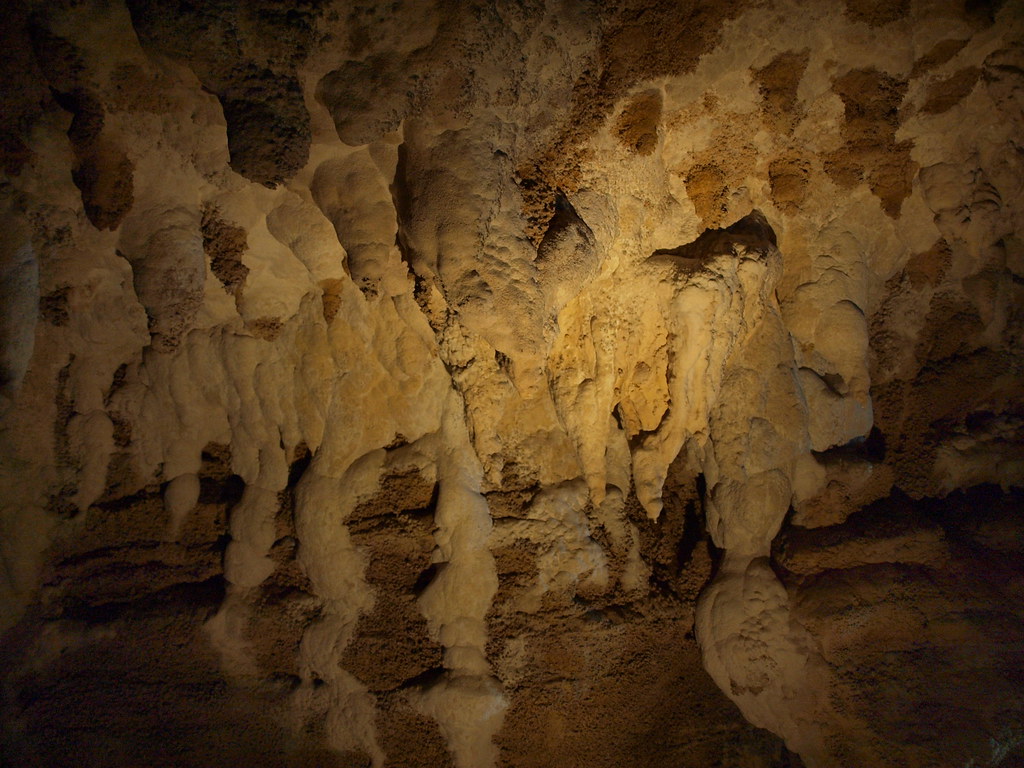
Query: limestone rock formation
(482, 383)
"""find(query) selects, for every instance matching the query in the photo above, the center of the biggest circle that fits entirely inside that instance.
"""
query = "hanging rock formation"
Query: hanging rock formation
(489, 383)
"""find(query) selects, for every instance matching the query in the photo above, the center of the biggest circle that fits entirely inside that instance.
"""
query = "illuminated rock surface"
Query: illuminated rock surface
(517, 384)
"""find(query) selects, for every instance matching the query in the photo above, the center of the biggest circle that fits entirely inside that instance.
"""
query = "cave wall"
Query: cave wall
(512, 383)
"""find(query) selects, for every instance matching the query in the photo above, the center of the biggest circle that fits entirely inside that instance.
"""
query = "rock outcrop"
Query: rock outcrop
(532, 384)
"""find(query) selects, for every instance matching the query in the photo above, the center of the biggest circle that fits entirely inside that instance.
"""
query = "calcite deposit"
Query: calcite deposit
(485, 383)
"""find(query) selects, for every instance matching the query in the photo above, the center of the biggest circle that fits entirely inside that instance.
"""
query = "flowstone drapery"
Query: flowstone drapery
(488, 383)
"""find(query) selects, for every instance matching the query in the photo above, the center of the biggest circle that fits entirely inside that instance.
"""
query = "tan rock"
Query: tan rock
(382, 384)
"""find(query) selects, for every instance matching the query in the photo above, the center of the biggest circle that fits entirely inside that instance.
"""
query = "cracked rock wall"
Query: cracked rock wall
(494, 383)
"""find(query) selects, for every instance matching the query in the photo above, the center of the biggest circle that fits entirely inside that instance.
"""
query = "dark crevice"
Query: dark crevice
(717, 555)
(978, 420)
(221, 491)
(299, 466)
(693, 533)
(424, 579)
(870, 448)
(102, 553)
(204, 595)
(617, 415)
(563, 221)
(752, 232)
(426, 679)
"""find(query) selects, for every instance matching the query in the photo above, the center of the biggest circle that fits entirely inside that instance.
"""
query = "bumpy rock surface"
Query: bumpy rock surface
(542, 383)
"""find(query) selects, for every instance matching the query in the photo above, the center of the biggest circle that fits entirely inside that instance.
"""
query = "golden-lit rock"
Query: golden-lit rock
(527, 384)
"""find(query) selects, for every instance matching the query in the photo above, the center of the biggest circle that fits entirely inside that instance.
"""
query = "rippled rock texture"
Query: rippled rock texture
(547, 383)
